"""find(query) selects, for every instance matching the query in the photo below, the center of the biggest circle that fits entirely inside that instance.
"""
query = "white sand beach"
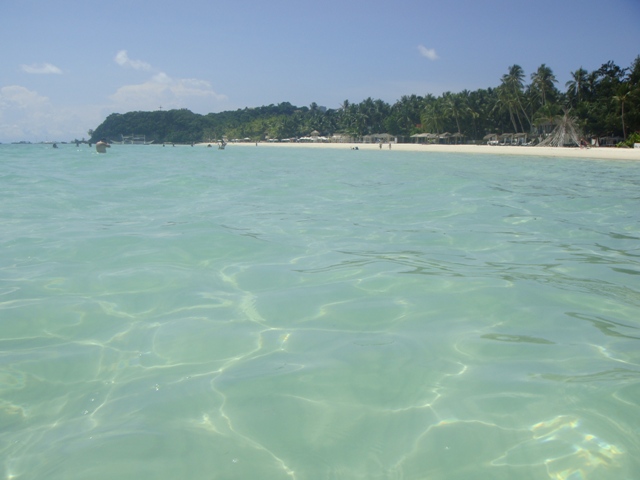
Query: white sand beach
(602, 153)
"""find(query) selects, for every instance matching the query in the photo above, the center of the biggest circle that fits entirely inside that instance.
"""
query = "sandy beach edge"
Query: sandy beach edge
(600, 153)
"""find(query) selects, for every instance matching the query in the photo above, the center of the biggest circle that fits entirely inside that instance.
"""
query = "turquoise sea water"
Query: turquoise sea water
(302, 314)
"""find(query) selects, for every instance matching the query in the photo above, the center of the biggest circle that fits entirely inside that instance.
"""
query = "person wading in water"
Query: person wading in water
(102, 145)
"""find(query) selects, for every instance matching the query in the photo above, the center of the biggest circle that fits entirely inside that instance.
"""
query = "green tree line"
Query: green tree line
(605, 102)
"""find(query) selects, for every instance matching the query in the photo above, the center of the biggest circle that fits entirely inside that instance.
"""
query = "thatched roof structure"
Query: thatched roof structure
(566, 133)
(430, 137)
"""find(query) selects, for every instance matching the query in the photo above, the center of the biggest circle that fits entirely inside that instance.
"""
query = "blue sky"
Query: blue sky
(66, 64)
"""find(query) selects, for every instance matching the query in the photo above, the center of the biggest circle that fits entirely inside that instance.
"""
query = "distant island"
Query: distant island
(603, 104)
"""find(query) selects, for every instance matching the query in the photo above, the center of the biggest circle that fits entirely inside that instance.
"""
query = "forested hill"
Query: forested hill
(184, 126)
(605, 102)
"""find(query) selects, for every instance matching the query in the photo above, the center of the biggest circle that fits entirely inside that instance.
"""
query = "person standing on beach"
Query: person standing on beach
(102, 145)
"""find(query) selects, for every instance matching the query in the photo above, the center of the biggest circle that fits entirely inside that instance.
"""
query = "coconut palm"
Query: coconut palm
(577, 85)
(591, 85)
(515, 77)
(506, 103)
(346, 118)
(621, 96)
(542, 83)
(456, 105)
(405, 115)
(513, 86)
(432, 115)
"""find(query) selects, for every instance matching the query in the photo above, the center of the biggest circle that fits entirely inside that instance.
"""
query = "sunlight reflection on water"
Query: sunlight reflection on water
(188, 313)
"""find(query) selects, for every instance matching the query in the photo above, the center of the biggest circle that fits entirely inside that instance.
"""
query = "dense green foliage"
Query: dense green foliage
(605, 102)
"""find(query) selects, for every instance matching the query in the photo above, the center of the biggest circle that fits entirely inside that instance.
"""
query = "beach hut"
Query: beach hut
(378, 138)
(419, 137)
(520, 138)
(445, 138)
(609, 141)
(545, 128)
(457, 137)
(491, 138)
(425, 138)
(506, 139)
(341, 138)
(383, 137)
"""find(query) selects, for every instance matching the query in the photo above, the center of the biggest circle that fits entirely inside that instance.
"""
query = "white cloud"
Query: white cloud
(27, 115)
(24, 114)
(429, 53)
(122, 59)
(41, 68)
(15, 96)
(161, 78)
(162, 90)
(166, 91)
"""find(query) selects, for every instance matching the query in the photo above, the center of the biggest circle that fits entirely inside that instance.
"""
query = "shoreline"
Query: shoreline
(599, 153)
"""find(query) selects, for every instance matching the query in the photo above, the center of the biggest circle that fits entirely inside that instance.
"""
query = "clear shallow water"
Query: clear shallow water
(264, 313)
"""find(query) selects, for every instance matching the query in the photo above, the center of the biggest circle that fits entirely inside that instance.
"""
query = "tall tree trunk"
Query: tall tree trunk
(513, 120)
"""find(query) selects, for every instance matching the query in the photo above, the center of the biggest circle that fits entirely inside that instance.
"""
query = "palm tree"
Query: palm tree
(432, 115)
(405, 115)
(515, 77)
(381, 111)
(578, 83)
(456, 105)
(506, 103)
(542, 82)
(367, 111)
(346, 116)
(513, 84)
(469, 100)
(622, 95)
(591, 84)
